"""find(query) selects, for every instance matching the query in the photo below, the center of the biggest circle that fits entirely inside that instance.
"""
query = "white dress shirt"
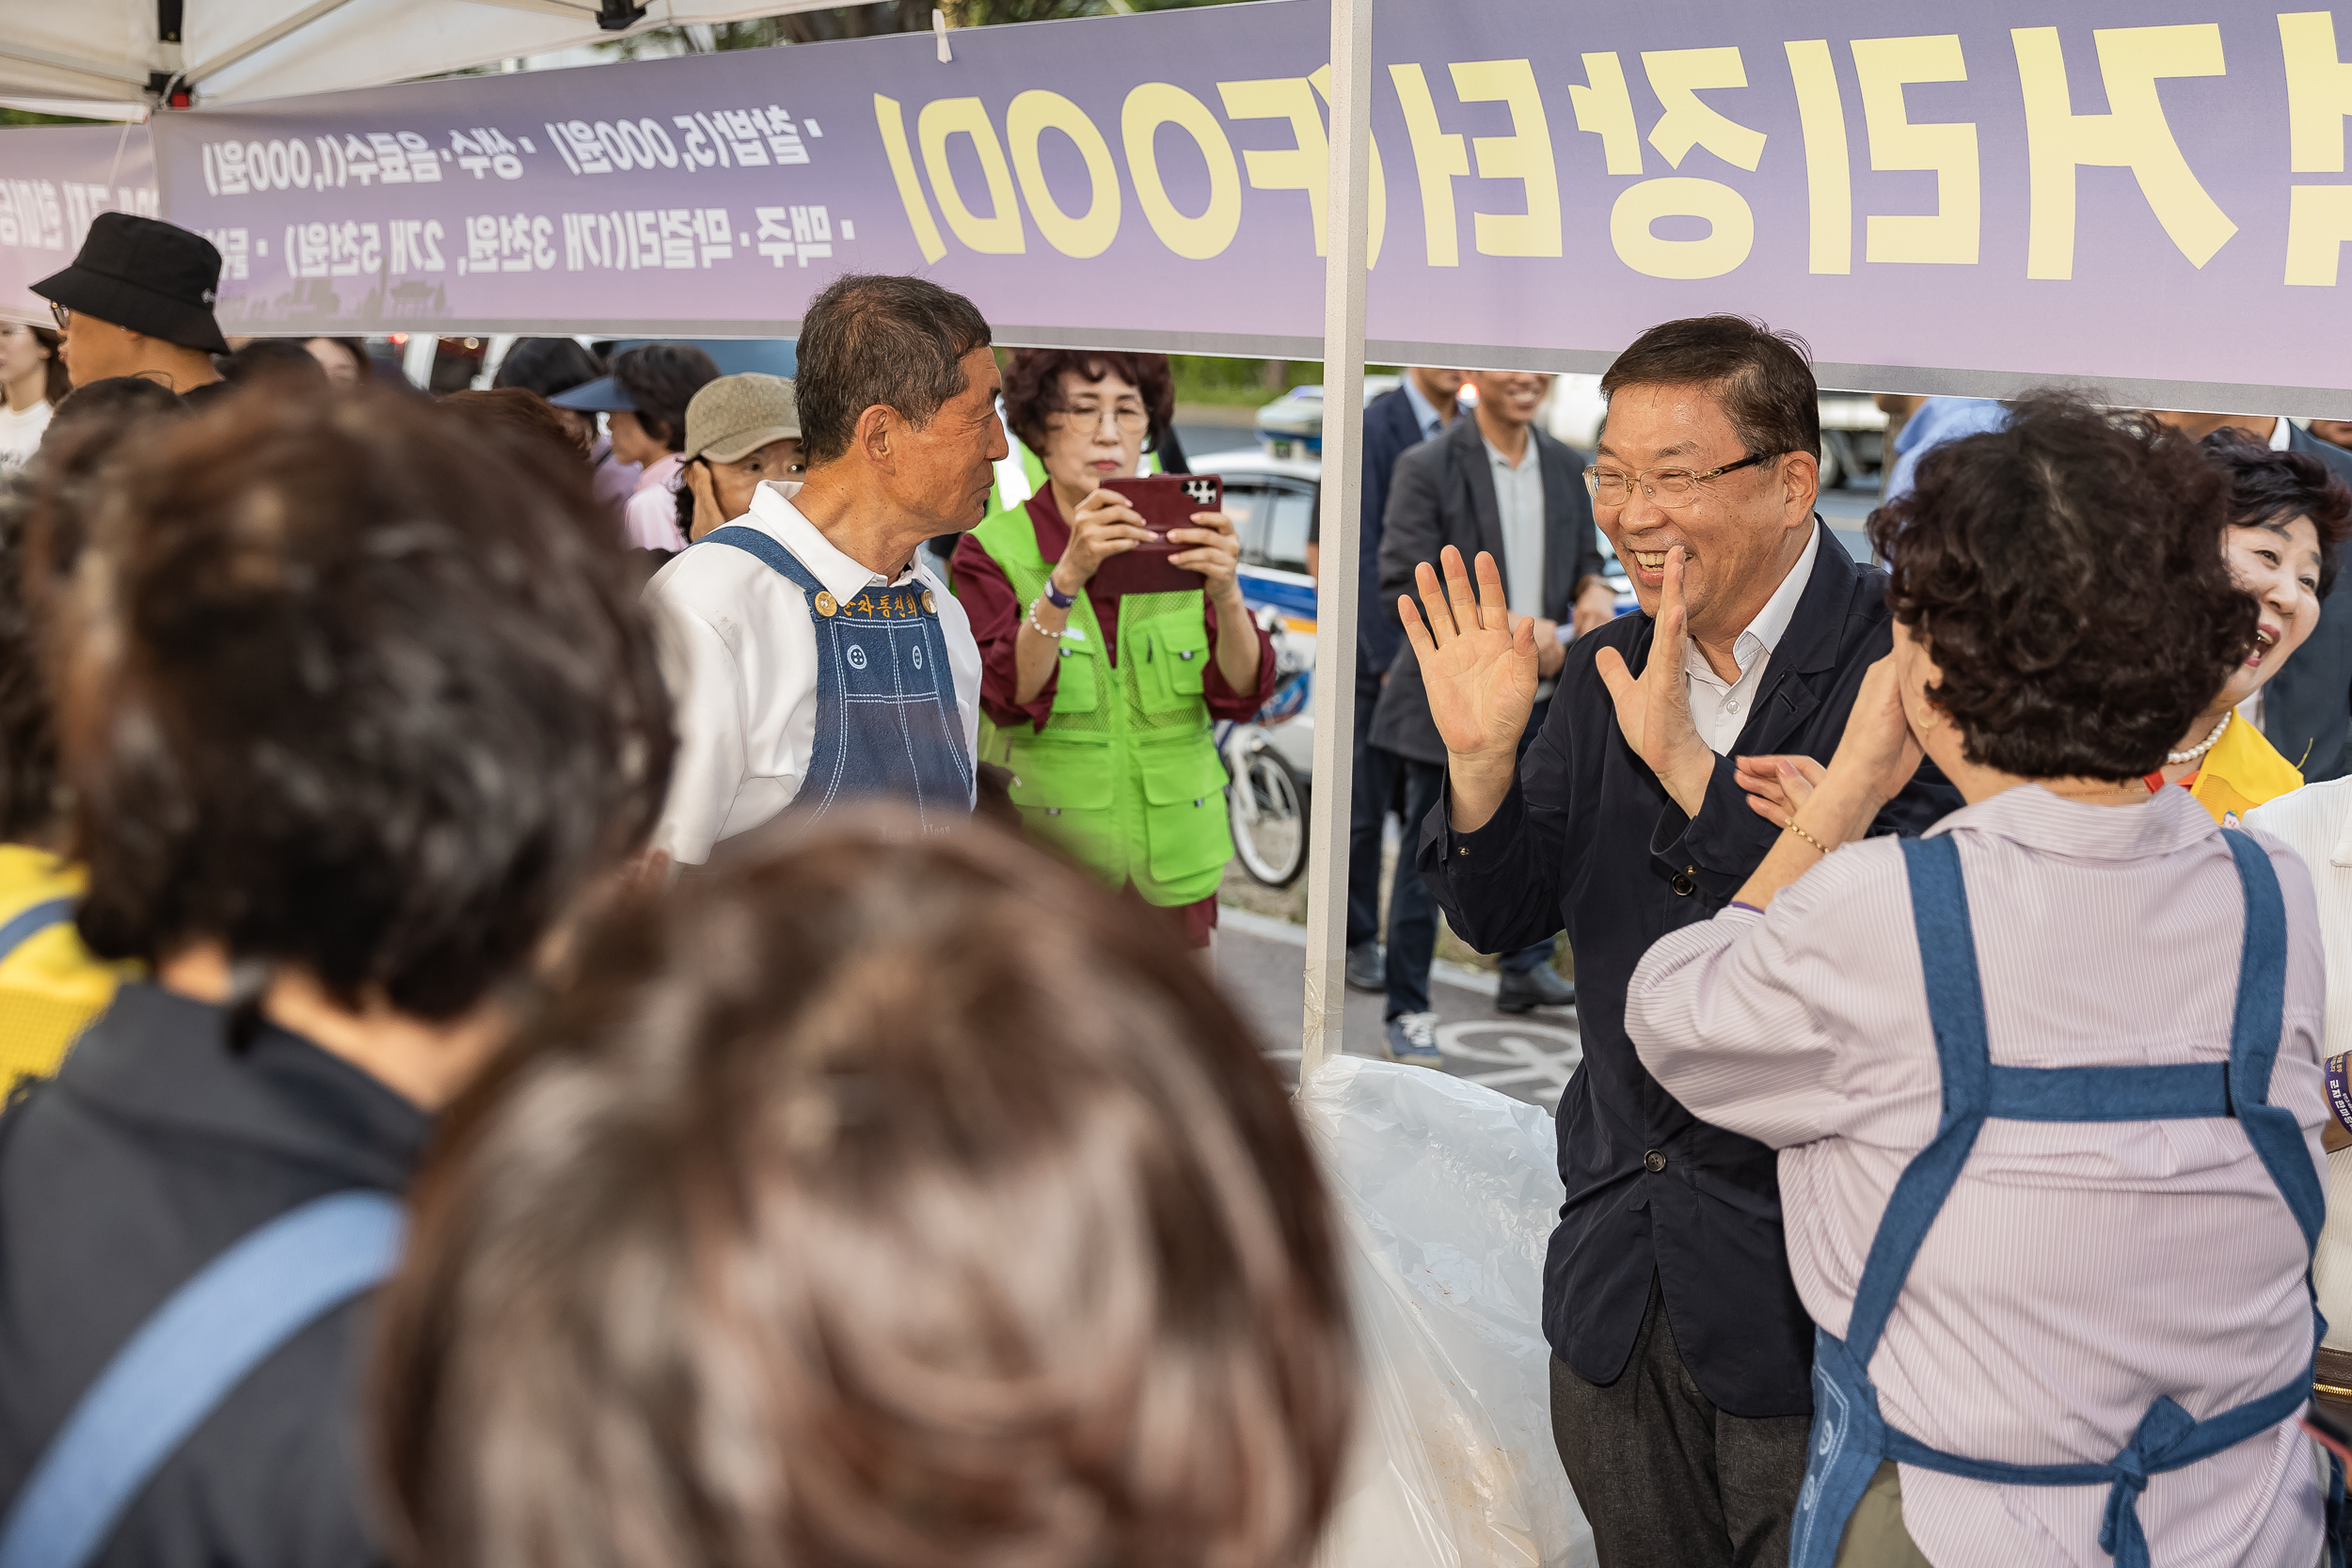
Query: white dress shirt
(739, 656)
(1720, 708)
(1425, 413)
(1519, 508)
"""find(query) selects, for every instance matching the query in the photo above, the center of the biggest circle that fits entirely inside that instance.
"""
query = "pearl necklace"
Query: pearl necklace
(2206, 745)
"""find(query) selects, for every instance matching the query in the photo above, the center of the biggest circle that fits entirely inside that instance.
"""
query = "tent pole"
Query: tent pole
(416, 359)
(1344, 279)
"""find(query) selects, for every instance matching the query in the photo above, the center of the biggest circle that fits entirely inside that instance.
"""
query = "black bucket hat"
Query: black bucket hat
(145, 275)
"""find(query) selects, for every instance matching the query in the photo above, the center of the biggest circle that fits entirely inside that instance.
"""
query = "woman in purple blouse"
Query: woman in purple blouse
(2045, 1082)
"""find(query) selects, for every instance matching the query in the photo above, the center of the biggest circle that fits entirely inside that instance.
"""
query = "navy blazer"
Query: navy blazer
(1589, 839)
(1391, 430)
(1444, 494)
(2306, 707)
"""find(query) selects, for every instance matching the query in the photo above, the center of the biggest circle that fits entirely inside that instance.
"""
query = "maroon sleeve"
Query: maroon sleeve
(1224, 703)
(995, 612)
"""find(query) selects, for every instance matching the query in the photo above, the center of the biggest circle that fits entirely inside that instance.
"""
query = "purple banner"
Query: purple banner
(2146, 194)
(52, 181)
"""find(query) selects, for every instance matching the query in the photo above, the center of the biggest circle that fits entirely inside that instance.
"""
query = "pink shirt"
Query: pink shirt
(2078, 1270)
(651, 517)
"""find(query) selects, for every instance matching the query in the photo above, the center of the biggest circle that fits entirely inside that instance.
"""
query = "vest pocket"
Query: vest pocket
(1076, 688)
(1183, 792)
(1067, 792)
(1176, 660)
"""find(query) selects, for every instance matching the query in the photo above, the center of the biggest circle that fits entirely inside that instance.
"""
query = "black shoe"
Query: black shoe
(1367, 966)
(1527, 990)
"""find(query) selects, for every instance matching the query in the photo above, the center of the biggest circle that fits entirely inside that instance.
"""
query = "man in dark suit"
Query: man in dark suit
(1394, 421)
(1682, 1355)
(1494, 482)
(2306, 707)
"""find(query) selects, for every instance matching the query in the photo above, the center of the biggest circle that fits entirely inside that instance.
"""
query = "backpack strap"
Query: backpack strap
(31, 921)
(182, 1361)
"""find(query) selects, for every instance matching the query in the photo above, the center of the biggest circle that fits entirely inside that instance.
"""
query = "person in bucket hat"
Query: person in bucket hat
(739, 430)
(138, 301)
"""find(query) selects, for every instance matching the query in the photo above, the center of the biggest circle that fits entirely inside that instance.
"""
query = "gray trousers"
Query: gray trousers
(1667, 1480)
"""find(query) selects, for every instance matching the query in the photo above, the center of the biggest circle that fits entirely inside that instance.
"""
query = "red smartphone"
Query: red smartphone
(1163, 501)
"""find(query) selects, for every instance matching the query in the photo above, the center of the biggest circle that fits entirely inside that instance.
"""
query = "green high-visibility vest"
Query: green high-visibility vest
(1125, 774)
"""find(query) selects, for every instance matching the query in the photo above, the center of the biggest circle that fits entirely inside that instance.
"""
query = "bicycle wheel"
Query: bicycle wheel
(1273, 845)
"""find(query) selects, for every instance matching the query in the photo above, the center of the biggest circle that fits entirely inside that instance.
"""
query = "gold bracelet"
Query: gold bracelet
(1791, 826)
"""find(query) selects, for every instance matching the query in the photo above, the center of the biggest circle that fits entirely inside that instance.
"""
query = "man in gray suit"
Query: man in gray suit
(1493, 483)
(2306, 707)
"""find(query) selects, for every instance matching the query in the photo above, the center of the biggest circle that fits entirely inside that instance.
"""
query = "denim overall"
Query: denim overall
(886, 717)
(1850, 1437)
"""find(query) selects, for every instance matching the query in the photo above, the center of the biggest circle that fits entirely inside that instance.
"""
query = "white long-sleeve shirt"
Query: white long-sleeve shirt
(2077, 1271)
(739, 655)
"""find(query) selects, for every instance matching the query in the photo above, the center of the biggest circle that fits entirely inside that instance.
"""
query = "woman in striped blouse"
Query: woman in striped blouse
(2045, 1082)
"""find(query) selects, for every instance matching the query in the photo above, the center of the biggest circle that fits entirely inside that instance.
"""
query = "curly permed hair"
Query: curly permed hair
(1033, 387)
(2067, 573)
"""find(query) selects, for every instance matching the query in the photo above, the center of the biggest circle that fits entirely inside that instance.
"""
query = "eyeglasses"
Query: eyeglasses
(63, 316)
(1129, 418)
(1665, 486)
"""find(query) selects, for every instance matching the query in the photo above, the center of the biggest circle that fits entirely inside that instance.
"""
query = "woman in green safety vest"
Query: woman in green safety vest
(1102, 703)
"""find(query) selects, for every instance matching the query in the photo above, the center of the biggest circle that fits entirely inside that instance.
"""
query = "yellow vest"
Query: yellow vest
(51, 986)
(2241, 772)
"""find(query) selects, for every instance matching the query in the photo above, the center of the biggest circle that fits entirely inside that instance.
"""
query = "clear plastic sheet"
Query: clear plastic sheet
(1448, 1193)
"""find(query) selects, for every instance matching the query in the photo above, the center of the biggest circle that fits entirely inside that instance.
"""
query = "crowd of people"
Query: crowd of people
(693, 884)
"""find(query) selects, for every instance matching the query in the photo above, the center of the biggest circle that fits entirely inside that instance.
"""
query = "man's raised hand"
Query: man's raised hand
(1654, 709)
(1479, 671)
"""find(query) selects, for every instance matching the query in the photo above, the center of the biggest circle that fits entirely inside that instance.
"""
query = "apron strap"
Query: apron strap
(750, 541)
(189, 1355)
(2261, 984)
(2168, 1438)
(1947, 954)
(29, 922)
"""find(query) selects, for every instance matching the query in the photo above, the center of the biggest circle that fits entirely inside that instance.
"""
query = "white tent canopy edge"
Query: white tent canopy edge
(116, 59)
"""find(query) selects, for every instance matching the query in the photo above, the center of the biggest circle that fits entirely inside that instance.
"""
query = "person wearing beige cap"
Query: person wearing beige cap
(739, 430)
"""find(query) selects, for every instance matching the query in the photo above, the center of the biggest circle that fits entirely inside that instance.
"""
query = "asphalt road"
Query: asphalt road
(1261, 961)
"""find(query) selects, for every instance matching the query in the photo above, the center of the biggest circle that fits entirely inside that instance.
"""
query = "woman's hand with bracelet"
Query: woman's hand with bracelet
(1875, 759)
(1819, 808)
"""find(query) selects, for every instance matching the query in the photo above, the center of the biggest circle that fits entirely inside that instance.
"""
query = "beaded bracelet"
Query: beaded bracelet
(1035, 627)
(1791, 826)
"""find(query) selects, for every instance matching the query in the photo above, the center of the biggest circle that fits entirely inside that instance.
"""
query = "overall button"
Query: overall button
(826, 602)
(1683, 884)
(1653, 1162)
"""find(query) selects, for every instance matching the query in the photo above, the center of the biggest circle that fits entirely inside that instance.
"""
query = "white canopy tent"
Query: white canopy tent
(120, 58)
(117, 60)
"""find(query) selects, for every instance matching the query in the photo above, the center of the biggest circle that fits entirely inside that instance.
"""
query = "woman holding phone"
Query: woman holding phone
(1103, 703)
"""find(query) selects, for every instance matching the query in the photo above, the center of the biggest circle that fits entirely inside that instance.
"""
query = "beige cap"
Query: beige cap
(734, 416)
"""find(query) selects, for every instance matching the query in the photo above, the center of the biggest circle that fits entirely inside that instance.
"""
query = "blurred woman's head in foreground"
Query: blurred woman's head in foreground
(895, 1202)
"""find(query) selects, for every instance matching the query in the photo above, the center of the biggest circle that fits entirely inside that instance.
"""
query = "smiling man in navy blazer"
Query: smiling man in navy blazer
(1682, 1356)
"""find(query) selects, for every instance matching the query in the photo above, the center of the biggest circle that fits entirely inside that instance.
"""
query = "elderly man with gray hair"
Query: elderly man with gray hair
(814, 657)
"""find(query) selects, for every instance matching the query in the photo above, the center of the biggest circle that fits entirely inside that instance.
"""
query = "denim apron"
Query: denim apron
(887, 724)
(1850, 1437)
